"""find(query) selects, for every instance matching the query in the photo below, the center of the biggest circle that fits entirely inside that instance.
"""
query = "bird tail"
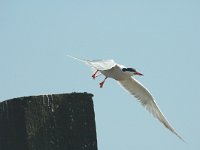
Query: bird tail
(81, 60)
(87, 62)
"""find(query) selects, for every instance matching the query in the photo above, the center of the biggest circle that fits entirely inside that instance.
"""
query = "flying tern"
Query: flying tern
(123, 75)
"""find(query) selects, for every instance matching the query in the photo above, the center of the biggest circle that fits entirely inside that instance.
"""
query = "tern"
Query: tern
(123, 75)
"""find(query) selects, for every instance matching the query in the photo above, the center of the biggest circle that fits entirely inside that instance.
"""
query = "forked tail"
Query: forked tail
(77, 59)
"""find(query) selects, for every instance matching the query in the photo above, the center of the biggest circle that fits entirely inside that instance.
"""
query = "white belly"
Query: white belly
(115, 73)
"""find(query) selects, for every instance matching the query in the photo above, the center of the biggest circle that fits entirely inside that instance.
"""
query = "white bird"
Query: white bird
(123, 75)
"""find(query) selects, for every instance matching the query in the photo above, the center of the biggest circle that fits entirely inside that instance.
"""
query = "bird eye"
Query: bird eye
(124, 69)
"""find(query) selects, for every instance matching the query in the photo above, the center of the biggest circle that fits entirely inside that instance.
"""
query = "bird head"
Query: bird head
(131, 71)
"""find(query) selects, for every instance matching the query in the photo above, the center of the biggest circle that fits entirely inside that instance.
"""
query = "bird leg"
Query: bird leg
(101, 84)
(94, 75)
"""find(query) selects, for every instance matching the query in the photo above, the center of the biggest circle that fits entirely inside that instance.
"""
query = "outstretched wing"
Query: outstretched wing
(146, 99)
(97, 64)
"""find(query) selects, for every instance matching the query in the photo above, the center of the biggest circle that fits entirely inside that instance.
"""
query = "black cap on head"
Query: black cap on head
(129, 69)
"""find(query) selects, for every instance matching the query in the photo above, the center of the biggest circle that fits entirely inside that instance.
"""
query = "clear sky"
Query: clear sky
(161, 39)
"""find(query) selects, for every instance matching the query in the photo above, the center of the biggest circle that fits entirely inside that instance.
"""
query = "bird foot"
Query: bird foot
(101, 84)
(93, 76)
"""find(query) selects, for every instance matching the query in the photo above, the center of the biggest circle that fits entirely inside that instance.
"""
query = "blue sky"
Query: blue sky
(158, 38)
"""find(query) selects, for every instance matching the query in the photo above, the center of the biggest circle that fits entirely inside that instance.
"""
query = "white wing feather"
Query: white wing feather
(146, 99)
(97, 64)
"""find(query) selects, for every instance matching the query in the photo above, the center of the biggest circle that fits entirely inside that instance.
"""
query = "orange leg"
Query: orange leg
(101, 84)
(94, 75)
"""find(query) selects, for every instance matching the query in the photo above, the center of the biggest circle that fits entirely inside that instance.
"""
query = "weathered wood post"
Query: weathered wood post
(48, 122)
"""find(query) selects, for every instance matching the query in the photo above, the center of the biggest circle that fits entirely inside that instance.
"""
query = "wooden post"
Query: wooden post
(48, 122)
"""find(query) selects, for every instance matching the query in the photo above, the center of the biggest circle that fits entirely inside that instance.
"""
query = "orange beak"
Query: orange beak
(137, 73)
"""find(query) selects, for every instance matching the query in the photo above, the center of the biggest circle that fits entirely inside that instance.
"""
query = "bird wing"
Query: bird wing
(146, 99)
(97, 64)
